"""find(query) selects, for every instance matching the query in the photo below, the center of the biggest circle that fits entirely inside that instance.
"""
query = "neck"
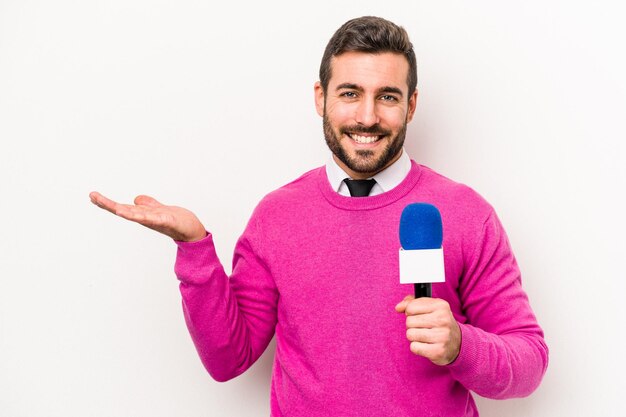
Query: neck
(364, 175)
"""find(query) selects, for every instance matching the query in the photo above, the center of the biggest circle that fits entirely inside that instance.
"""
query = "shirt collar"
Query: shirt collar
(386, 180)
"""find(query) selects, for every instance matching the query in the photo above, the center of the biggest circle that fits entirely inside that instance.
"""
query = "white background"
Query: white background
(210, 106)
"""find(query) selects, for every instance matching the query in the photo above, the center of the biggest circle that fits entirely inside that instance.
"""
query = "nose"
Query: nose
(366, 113)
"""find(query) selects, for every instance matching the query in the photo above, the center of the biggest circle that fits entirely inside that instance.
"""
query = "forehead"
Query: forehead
(369, 70)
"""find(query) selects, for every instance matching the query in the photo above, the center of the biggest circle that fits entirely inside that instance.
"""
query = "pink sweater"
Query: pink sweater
(320, 271)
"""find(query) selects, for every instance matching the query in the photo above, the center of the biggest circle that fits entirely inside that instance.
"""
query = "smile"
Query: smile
(363, 139)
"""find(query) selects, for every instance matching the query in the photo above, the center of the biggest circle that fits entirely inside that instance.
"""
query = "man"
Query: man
(319, 268)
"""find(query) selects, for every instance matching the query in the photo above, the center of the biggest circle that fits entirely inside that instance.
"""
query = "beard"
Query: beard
(365, 160)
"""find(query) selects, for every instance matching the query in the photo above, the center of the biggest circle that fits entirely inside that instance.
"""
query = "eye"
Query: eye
(388, 97)
(348, 94)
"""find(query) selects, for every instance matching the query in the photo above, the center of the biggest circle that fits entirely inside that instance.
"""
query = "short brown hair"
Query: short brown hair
(373, 35)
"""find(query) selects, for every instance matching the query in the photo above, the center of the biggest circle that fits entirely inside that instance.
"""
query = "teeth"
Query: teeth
(364, 139)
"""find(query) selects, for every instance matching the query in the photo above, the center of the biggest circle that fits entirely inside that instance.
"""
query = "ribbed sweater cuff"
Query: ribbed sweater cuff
(469, 360)
(195, 260)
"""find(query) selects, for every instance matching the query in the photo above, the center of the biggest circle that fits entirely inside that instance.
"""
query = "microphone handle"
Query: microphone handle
(423, 290)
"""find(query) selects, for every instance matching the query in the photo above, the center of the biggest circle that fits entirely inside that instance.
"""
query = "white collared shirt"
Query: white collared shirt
(386, 179)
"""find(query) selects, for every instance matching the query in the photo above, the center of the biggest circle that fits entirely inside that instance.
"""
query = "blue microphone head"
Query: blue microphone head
(420, 227)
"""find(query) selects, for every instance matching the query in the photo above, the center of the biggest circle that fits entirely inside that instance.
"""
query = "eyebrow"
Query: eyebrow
(386, 89)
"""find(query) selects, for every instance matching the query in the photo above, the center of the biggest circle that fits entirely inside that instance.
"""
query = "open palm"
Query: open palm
(175, 222)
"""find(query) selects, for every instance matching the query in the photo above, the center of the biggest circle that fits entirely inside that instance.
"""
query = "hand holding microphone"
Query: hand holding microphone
(431, 327)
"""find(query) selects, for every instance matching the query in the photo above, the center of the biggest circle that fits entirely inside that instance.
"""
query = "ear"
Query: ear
(319, 98)
(412, 104)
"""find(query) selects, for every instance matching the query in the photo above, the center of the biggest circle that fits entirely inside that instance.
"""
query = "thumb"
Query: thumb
(144, 200)
(401, 306)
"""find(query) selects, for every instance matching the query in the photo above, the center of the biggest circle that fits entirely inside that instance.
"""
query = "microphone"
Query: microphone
(421, 255)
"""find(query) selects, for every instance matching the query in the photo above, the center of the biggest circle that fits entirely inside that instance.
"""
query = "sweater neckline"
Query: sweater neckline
(373, 202)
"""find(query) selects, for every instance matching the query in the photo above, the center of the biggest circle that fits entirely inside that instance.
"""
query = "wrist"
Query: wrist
(196, 237)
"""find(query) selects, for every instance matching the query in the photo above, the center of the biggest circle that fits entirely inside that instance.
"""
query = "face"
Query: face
(366, 109)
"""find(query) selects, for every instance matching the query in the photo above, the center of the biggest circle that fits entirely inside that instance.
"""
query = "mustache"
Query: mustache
(372, 130)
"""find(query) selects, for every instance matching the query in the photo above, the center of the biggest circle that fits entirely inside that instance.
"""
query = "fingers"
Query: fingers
(425, 305)
(431, 329)
(144, 200)
(103, 202)
(146, 216)
(144, 212)
(424, 317)
(433, 351)
(401, 306)
(420, 322)
(176, 222)
(423, 335)
(122, 210)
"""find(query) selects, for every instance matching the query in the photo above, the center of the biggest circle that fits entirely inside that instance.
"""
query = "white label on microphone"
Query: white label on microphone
(420, 266)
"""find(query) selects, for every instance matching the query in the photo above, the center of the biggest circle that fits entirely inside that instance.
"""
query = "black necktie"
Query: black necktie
(359, 188)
